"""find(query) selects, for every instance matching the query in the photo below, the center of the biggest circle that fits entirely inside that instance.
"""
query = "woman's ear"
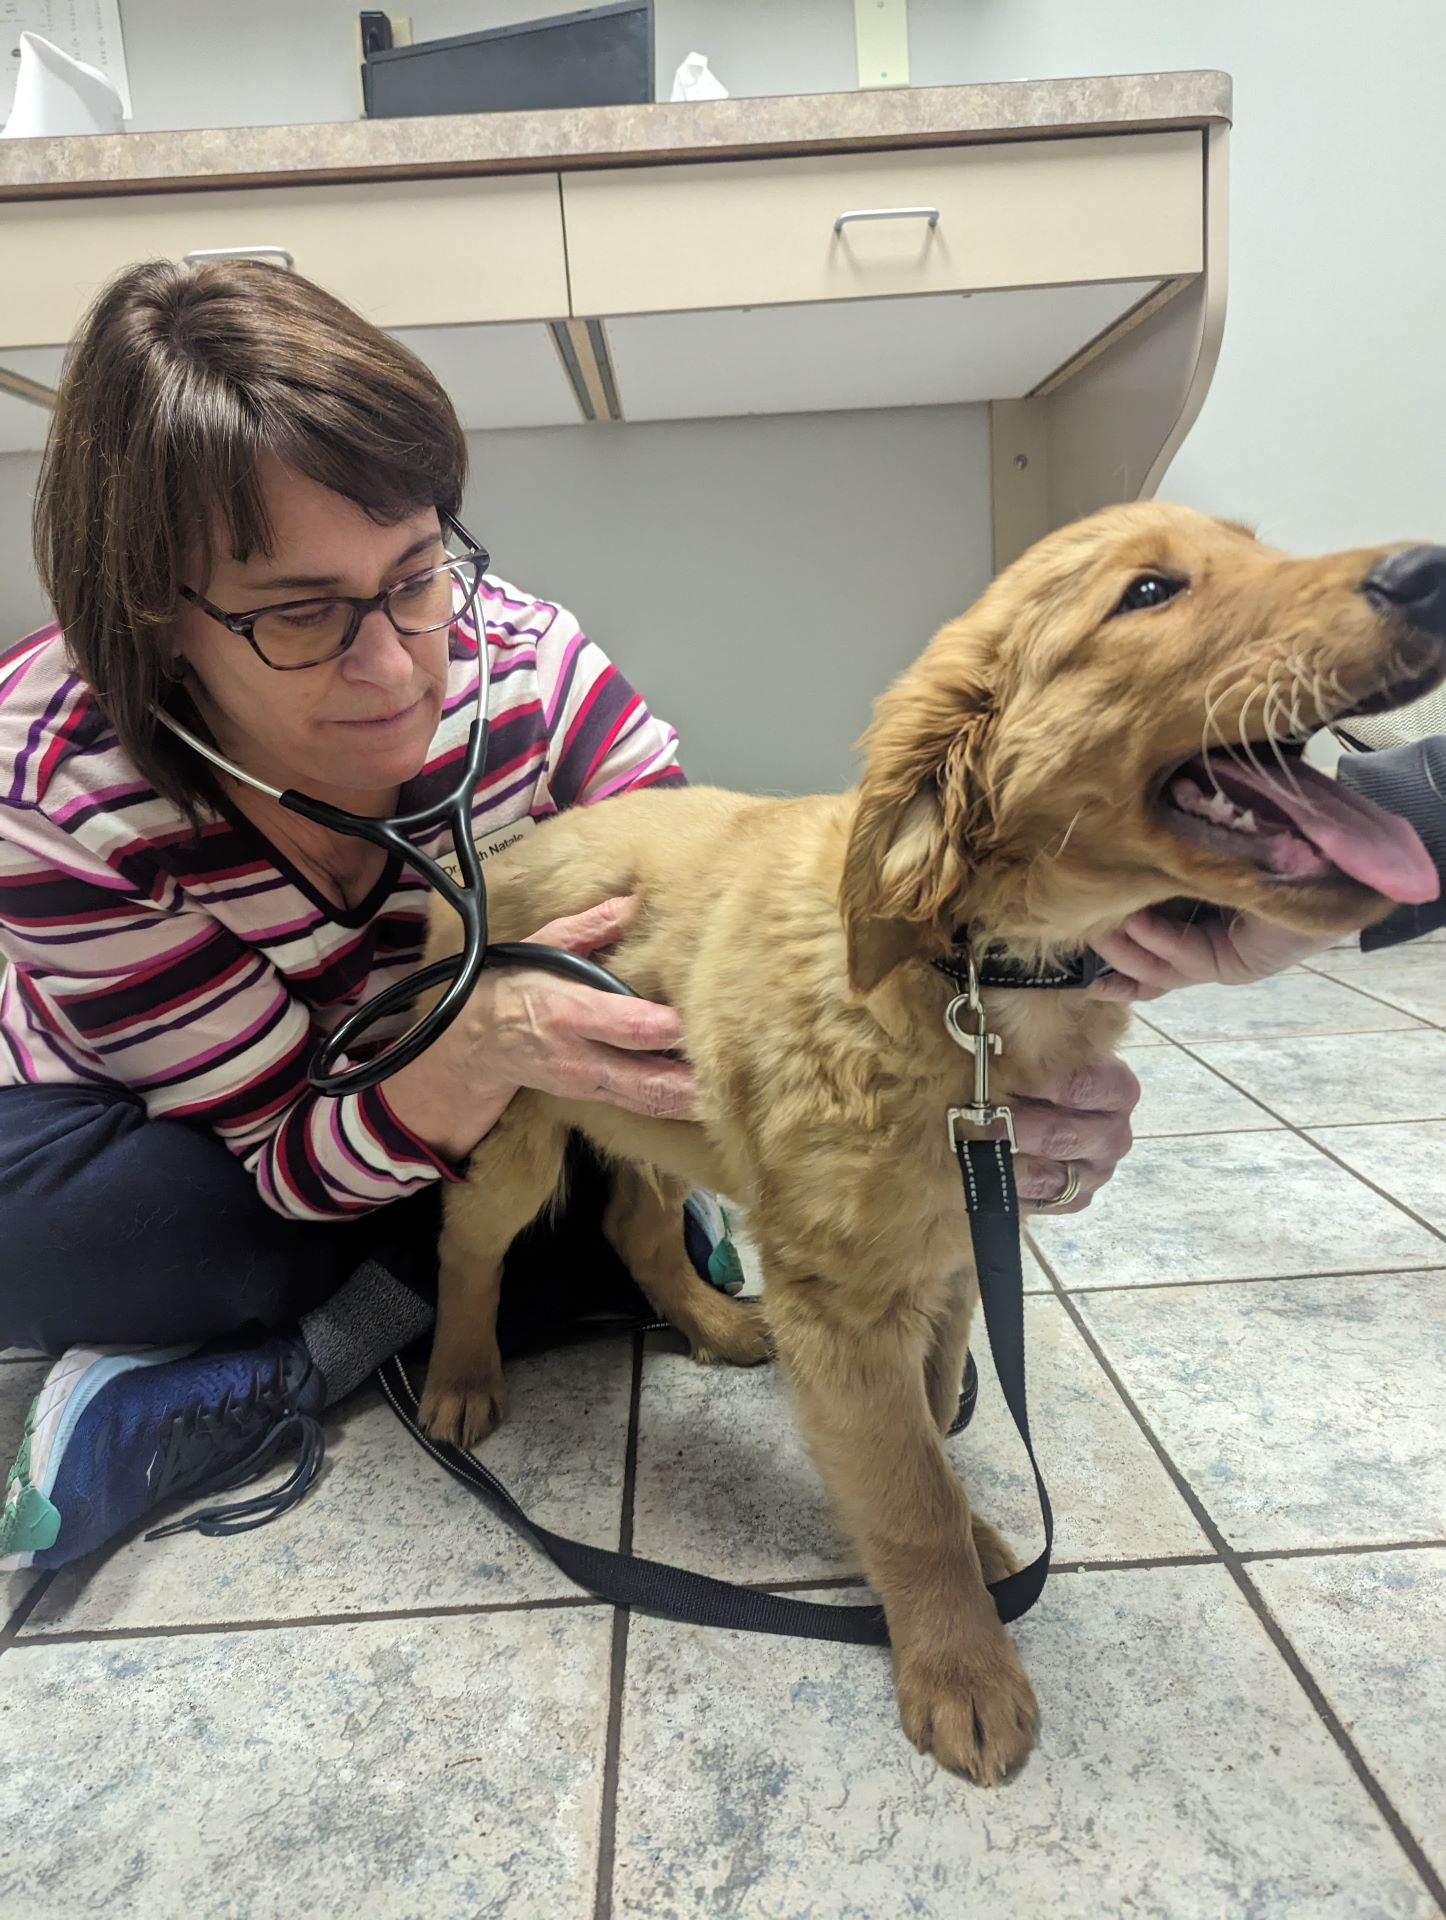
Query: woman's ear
(906, 868)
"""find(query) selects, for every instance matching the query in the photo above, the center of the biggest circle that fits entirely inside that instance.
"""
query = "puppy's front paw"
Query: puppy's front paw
(972, 1708)
(463, 1411)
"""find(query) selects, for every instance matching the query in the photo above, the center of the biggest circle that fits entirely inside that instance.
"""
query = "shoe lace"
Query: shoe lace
(212, 1425)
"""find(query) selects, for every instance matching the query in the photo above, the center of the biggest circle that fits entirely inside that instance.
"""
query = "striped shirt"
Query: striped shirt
(199, 972)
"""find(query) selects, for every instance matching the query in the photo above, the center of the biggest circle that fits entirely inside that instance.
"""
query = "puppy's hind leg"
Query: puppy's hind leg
(644, 1225)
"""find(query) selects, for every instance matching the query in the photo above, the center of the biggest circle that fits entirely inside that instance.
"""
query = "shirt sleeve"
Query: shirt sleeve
(602, 737)
(1410, 781)
(126, 982)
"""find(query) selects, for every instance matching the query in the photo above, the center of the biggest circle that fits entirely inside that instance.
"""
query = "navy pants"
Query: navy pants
(116, 1229)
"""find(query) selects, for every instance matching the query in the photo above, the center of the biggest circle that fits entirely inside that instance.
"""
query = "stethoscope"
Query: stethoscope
(467, 895)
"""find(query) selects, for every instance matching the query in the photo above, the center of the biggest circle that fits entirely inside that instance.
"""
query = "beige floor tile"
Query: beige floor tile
(379, 1770)
(1343, 1079)
(1303, 1413)
(1229, 1206)
(1181, 1773)
(1371, 1629)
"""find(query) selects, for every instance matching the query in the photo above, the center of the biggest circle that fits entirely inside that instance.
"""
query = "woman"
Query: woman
(247, 518)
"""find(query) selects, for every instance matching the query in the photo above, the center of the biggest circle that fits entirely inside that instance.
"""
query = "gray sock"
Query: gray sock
(367, 1320)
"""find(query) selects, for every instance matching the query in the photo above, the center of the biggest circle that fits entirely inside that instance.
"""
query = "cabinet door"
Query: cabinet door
(934, 349)
(765, 232)
(498, 376)
(405, 254)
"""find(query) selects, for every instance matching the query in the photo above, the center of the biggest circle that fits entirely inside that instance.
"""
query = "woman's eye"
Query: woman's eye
(315, 615)
(1149, 590)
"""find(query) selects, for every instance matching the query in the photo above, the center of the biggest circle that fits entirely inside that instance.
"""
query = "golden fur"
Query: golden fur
(1009, 788)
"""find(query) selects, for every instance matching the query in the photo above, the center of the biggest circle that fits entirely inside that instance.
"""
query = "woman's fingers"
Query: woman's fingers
(1076, 1122)
(657, 1089)
(1152, 955)
(1141, 971)
(585, 932)
(1040, 1183)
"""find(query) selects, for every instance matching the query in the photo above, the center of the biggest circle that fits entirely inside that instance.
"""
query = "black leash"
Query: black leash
(987, 1170)
(628, 1580)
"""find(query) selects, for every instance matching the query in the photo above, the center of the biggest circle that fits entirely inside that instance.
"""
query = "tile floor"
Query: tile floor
(385, 1705)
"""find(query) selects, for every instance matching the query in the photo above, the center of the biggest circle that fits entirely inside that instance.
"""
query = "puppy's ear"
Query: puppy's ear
(906, 869)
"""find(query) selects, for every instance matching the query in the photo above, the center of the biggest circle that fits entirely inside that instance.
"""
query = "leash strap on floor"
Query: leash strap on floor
(627, 1580)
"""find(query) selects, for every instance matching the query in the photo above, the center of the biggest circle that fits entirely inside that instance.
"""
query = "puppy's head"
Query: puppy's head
(1118, 720)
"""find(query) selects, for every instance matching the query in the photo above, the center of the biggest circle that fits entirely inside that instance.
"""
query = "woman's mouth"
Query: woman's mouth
(380, 723)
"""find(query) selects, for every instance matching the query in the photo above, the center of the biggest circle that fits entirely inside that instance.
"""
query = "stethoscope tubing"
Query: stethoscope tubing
(467, 896)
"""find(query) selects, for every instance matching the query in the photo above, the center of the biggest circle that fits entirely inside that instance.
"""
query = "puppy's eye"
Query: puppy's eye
(1149, 590)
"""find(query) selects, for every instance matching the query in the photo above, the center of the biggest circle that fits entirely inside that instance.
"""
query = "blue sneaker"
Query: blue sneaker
(706, 1238)
(113, 1433)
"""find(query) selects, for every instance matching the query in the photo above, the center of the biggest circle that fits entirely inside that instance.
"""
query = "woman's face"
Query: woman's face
(354, 727)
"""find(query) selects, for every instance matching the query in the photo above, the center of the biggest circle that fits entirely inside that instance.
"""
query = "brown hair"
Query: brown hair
(178, 379)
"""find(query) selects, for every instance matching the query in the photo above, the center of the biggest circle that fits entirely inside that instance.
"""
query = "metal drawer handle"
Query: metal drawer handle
(931, 214)
(242, 253)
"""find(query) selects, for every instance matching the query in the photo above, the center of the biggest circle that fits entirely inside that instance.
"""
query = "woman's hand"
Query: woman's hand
(1152, 955)
(526, 1028)
(536, 1030)
(1079, 1121)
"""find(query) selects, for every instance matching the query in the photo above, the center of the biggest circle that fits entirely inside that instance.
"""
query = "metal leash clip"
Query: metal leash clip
(980, 1042)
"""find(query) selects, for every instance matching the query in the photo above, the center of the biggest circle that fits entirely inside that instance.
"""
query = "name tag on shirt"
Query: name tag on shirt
(489, 845)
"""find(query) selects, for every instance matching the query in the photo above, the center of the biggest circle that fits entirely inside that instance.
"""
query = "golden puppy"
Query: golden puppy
(1108, 727)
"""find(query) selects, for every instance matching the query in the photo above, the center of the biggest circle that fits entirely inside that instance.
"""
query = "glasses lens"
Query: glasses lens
(303, 634)
(434, 599)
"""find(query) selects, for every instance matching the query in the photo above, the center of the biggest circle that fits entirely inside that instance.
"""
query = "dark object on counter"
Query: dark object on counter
(602, 57)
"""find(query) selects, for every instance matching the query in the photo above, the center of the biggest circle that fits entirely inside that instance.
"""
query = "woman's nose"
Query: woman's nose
(378, 654)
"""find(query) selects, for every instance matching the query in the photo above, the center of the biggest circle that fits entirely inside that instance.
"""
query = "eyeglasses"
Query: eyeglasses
(304, 633)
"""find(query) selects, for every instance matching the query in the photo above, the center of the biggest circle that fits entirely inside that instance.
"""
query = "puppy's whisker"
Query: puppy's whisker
(1211, 723)
(1272, 708)
(1058, 851)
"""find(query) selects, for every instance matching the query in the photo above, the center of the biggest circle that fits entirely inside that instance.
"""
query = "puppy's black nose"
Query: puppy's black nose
(1413, 584)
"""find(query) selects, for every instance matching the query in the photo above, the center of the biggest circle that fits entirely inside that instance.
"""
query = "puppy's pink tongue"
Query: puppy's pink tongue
(1353, 833)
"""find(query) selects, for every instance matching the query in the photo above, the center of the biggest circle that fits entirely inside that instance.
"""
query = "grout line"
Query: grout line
(190, 1629)
(1329, 1553)
(617, 1670)
(1246, 1280)
(1236, 1568)
(816, 1583)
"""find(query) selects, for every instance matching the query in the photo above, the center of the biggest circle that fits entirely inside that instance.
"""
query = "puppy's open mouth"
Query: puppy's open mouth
(1292, 823)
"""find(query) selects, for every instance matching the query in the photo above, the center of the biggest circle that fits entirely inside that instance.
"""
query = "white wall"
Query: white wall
(22, 606)
(201, 63)
(760, 581)
(1326, 422)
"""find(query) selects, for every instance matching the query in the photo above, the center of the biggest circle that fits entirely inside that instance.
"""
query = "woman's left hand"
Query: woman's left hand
(1079, 1121)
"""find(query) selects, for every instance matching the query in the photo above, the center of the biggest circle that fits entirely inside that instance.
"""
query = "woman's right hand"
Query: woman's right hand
(526, 1028)
(1152, 955)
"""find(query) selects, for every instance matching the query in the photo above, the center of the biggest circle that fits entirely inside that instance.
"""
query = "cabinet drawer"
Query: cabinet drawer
(407, 253)
(762, 232)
